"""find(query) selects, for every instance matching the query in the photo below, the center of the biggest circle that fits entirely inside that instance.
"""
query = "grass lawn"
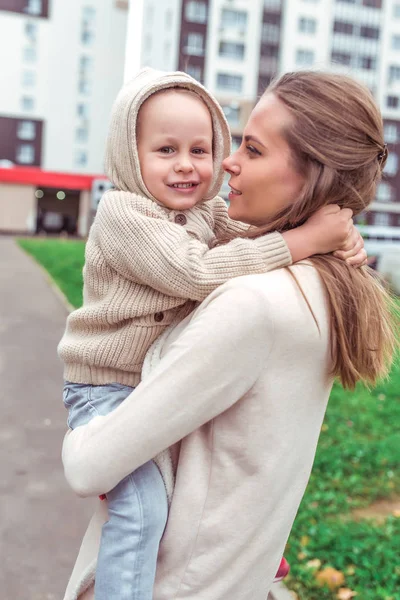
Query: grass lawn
(357, 464)
(64, 260)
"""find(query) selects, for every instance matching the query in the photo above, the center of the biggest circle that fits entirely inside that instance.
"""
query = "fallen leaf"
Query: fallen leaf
(301, 555)
(346, 594)
(350, 570)
(396, 513)
(304, 540)
(331, 577)
(314, 564)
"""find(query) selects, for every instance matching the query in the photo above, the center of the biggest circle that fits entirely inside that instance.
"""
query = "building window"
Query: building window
(305, 58)
(84, 87)
(232, 113)
(81, 158)
(168, 19)
(233, 83)
(341, 58)
(27, 103)
(394, 73)
(390, 133)
(396, 42)
(26, 130)
(29, 54)
(372, 3)
(307, 25)
(271, 33)
(82, 110)
(31, 31)
(88, 25)
(25, 154)
(384, 192)
(367, 62)
(343, 27)
(150, 15)
(234, 19)
(195, 71)
(82, 134)
(231, 50)
(85, 66)
(371, 33)
(392, 164)
(195, 44)
(196, 12)
(396, 11)
(269, 51)
(28, 78)
(392, 101)
(167, 50)
(382, 219)
(34, 7)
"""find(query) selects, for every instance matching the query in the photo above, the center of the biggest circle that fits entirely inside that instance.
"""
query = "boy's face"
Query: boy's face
(175, 148)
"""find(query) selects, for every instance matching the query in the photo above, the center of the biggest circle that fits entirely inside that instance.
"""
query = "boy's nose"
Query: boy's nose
(184, 165)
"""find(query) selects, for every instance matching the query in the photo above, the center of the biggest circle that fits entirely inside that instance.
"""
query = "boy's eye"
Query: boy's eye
(198, 151)
(166, 150)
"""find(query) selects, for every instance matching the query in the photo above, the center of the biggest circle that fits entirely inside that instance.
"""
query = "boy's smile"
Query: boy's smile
(175, 140)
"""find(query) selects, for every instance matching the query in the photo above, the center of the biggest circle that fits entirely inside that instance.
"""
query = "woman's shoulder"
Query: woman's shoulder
(275, 285)
(280, 295)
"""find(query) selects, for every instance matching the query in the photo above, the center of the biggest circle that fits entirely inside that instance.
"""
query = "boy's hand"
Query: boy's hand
(329, 229)
(353, 251)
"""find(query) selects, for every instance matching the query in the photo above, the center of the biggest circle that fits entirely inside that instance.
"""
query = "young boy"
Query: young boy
(150, 257)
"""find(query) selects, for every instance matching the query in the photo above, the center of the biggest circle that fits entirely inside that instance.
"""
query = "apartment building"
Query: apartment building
(235, 47)
(63, 64)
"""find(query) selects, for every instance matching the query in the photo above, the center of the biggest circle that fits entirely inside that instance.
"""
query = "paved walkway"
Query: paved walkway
(41, 522)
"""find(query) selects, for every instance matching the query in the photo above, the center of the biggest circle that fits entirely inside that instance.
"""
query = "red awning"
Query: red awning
(39, 178)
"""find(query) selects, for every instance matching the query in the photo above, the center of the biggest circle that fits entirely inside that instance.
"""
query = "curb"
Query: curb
(279, 592)
(50, 281)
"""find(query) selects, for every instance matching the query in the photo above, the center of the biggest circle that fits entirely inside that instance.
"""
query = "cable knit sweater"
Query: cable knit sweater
(243, 382)
(147, 266)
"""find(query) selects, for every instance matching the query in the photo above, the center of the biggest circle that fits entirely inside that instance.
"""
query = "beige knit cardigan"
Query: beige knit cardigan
(147, 266)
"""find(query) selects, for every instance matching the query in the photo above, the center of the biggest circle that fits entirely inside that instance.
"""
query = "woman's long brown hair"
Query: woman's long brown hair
(336, 139)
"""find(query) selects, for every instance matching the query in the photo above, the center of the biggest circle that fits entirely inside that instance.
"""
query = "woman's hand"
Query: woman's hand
(353, 251)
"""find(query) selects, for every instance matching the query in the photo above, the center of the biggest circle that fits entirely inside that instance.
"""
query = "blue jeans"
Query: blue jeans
(137, 507)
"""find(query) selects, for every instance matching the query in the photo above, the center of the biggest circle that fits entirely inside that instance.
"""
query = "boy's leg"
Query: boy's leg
(138, 510)
(137, 507)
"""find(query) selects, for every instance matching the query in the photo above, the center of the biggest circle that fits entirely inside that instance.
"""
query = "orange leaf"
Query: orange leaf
(346, 594)
(331, 577)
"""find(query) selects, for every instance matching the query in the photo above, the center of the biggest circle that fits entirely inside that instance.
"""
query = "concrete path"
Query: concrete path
(41, 521)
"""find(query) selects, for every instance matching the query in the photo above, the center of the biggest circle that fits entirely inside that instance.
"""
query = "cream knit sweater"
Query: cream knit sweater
(243, 382)
(145, 265)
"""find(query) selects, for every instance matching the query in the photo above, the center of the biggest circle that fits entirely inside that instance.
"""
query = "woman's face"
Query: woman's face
(263, 178)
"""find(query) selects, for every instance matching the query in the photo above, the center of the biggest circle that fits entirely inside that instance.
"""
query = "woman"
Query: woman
(244, 381)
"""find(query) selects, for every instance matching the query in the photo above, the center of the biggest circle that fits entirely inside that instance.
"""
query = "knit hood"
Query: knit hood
(122, 160)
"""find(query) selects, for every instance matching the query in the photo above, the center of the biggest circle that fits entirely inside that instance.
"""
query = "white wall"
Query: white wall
(59, 49)
(161, 34)
(247, 68)
(293, 39)
(13, 40)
